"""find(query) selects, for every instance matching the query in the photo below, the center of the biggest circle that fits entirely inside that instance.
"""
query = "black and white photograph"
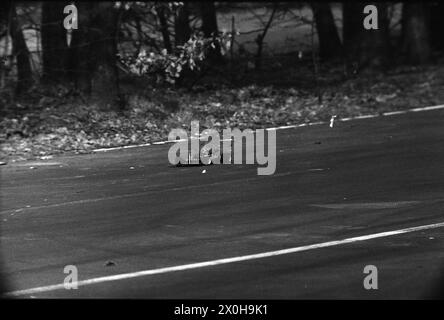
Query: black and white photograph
(245, 152)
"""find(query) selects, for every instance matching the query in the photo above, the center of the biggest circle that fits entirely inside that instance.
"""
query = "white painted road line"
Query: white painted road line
(225, 261)
(293, 126)
(426, 108)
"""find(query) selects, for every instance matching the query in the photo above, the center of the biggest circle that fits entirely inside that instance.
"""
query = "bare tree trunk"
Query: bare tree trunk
(104, 55)
(209, 20)
(160, 9)
(80, 64)
(20, 52)
(375, 49)
(416, 35)
(260, 39)
(209, 27)
(352, 25)
(5, 8)
(329, 43)
(437, 25)
(365, 48)
(182, 25)
(94, 53)
(54, 46)
(182, 33)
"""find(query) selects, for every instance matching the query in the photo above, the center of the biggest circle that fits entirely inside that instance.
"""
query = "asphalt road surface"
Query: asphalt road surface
(129, 213)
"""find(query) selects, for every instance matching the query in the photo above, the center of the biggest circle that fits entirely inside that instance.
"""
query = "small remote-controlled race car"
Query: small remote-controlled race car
(207, 154)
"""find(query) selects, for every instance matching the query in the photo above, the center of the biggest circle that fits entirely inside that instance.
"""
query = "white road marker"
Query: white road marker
(392, 113)
(211, 263)
(332, 121)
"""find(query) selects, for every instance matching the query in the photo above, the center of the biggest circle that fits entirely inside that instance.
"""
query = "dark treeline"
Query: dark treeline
(90, 63)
